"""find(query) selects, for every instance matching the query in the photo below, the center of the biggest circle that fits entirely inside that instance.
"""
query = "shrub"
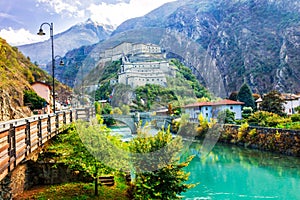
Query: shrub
(242, 131)
(266, 119)
(252, 133)
(203, 125)
(295, 117)
(226, 116)
(33, 100)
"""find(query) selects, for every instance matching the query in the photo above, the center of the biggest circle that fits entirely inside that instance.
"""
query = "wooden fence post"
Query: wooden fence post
(49, 127)
(64, 118)
(28, 138)
(71, 116)
(87, 114)
(12, 146)
(39, 133)
(56, 122)
(76, 114)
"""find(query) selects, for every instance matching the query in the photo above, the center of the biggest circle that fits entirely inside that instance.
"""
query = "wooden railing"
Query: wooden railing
(18, 138)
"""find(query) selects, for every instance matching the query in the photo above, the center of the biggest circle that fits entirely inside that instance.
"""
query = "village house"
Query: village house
(210, 110)
(291, 102)
(43, 90)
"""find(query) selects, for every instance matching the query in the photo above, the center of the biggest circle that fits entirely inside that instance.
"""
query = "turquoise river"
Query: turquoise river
(230, 172)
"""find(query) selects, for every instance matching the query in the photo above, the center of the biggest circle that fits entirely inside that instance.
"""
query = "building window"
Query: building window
(206, 114)
(231, 107)
(206, 108)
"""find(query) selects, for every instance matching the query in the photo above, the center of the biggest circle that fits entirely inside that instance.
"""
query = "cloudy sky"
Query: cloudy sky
(21, 19)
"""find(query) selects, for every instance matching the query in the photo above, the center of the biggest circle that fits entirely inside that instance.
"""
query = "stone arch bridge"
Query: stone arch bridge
(132, 120)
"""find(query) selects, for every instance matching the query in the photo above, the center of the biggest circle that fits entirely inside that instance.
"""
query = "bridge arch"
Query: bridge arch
(131, 120)
(126, 119)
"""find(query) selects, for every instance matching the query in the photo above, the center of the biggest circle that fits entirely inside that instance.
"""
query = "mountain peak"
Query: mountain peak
(106, 27)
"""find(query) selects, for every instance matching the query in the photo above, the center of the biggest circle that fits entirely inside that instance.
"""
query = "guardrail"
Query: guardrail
(18, 138)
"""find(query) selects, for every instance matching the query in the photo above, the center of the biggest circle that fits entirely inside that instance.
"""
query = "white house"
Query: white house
(291, 102)
(211, 109)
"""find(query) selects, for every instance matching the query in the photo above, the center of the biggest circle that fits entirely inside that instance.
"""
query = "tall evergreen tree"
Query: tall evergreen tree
(245, 95)
(273, 103)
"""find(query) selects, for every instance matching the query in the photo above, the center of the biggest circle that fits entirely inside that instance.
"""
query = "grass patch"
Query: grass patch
(79, 191)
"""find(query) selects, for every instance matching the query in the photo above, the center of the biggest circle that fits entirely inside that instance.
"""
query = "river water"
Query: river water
(235, 173)
(231, 172)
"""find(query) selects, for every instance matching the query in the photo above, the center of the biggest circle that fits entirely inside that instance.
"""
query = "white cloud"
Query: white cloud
(68, 8)
(106, 13)
(20, 36)
(115, 14)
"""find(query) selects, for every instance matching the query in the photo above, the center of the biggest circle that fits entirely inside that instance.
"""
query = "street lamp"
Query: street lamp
(41, 32)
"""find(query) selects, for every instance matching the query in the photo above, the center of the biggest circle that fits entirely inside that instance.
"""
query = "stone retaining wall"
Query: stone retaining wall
(268, 139)
(32, 173)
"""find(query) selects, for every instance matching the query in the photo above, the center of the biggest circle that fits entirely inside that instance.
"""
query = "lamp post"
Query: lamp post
(41, 32)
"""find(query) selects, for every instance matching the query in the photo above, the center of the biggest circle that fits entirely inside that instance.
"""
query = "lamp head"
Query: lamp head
(41, 32)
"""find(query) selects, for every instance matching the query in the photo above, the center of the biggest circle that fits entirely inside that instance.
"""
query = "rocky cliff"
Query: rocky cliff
(16, 74)
(229, 42)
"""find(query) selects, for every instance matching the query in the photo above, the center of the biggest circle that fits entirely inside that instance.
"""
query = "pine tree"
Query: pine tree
(245, 95)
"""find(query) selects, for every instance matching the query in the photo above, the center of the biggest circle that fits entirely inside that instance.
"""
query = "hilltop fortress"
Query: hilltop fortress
(141, 64)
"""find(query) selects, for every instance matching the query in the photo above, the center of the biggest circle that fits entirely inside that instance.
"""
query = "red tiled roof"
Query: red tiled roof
(228, 102)
(218, 103)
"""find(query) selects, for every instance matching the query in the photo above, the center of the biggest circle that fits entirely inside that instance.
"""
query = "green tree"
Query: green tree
(125, 109)
(116, 111)
(245, 95)
(297, 109)
(90, 148)
(246, 112)
(33, 100)
(227, 116)
(272, 103)
(233, 96)
(159, 174)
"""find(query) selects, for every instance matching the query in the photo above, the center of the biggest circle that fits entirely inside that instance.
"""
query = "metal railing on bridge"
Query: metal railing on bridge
(19, 138)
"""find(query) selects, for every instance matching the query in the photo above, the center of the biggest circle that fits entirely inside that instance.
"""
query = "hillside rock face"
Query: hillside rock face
(16, 74)
(230, 42)
(12, 108)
